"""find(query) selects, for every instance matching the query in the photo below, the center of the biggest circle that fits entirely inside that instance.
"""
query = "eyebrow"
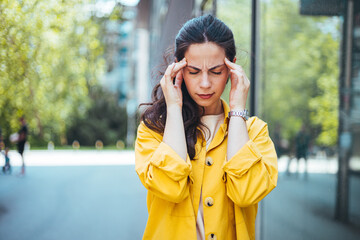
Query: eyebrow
(198, 69)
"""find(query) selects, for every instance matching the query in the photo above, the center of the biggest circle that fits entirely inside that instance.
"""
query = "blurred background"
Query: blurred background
(72, 74)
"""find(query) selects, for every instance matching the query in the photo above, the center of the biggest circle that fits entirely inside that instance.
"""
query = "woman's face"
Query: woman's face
(205, 75)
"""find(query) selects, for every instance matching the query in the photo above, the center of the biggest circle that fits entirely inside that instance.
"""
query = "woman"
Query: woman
(204, 163)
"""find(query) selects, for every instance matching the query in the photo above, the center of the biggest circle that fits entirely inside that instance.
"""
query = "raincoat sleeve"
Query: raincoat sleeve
(160, 169)
(252, 172)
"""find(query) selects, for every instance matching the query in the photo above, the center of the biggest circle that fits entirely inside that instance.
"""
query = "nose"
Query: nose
(205, 82)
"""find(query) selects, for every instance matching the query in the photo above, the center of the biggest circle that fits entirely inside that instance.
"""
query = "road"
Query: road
(80, 199)
(97, 195)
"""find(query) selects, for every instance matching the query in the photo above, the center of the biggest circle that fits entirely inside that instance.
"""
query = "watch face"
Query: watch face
(244, 114)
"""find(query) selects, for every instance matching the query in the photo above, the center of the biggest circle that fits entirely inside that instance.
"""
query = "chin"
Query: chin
(205, 102)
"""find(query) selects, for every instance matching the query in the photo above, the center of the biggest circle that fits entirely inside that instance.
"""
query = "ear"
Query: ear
(234, 61)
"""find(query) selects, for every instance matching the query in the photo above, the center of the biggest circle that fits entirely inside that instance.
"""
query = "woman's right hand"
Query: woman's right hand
(172, 91)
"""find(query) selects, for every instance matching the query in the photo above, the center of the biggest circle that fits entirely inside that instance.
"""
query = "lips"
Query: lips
(205, 96)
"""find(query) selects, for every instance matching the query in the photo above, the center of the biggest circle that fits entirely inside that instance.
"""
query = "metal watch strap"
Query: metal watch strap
(243, 113)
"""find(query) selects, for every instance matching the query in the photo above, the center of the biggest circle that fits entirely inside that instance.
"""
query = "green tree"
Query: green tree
(237, 15)
(299, 66)
(300, 71)
(105, 120)
(50, 56)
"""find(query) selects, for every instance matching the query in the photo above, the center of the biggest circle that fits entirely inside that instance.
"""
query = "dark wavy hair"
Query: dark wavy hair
(202, 29)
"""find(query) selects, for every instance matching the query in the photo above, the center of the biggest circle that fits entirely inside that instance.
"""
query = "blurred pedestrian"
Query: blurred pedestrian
(2, 145)
(22, 138)
(205, 164)
(281, 144)
(302, 141)
(7, 167)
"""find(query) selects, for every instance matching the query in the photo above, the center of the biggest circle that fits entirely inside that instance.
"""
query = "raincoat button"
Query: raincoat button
(209, 161)
(209, 201)
(212, 236)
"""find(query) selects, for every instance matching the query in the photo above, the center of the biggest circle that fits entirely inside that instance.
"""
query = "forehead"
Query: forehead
(208, 53)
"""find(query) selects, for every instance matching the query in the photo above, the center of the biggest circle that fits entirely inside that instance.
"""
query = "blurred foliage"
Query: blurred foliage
(50, 56)
(105, 121)
(299, 66)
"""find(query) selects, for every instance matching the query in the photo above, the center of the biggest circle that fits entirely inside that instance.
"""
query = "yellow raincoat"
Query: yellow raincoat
(231, 189)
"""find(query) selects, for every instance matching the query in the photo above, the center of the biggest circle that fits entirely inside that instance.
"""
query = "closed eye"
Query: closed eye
(194, 72)
(217, 73)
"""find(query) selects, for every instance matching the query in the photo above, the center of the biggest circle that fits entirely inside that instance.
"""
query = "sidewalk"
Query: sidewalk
(72, 202)
(300, 209)
(97, 195)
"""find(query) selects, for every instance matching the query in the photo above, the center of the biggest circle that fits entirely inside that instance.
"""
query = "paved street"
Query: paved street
(299, 209)
(73, 202)
(97, 195)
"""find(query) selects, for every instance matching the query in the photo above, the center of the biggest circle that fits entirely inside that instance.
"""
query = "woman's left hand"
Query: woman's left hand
(240, 85)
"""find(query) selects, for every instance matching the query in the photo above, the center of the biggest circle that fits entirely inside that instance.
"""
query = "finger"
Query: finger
(237, 78)
(169, 69)
(166, 77)
(232, 65)
(233, 77)
(167, 74)
(178, 66)
(178, 79)
(239, 74)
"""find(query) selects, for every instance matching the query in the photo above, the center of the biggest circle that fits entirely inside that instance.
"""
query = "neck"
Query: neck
(215, 109)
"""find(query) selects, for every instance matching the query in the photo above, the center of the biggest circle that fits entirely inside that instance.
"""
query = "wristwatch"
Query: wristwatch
(243, 113)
